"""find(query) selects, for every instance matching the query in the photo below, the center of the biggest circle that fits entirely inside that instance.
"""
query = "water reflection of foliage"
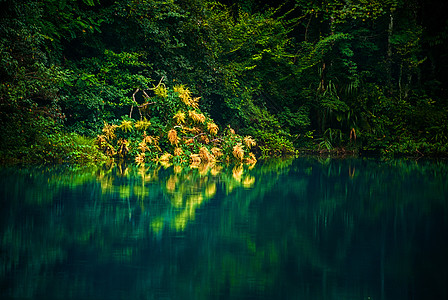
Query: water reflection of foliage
(183, 189)
(123, 208)
(116, 207)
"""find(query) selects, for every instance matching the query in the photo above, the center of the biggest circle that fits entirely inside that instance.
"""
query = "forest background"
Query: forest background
(125, 77)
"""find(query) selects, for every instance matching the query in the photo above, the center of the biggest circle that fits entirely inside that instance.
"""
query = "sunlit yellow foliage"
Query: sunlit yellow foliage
(196, 117)
(148, 139)
(142, 147)
(195, 160)
(178, 89)
(204, 167)
(205, 155)
(126, 125)
(251, 165)
(178, 151)
(123, 148)
(216, 152)
(142, 124)
(152, 140)
(104, 146)
(204, 139)
(165, 163)
(251, 159)
(100, 141)
(184, 93)
(195, 102)
(161, 90)
(189, 141)
(194, 130)
(248, 181)
(172, 137)
(109, 131)
(216, 169)
(140, 158)
(179, 117)
(249, 141)
(165, 157)
(212, 128)
(185, 96)
(238, 152)
(110, 150)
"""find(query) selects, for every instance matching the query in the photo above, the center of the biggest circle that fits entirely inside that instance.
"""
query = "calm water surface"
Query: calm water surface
(295, 229)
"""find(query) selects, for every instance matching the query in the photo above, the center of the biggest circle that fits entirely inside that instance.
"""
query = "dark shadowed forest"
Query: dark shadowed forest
(84, 80)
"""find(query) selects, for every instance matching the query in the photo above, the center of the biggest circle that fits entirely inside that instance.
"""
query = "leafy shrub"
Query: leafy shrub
(177, 131)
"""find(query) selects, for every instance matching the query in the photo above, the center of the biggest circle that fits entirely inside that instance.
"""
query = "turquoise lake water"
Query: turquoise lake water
(306, 228)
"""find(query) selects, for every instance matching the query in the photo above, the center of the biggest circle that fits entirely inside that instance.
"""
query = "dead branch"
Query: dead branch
(160, 82)
(147, 97)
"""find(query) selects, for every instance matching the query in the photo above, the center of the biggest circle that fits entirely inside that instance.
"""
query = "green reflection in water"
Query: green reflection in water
(304, 228)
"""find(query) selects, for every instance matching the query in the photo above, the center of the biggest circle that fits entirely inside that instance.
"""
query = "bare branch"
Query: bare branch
(133, 98)
(160, 82)
(145, 104)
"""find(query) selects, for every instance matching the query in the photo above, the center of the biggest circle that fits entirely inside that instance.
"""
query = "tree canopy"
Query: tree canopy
(324, 75)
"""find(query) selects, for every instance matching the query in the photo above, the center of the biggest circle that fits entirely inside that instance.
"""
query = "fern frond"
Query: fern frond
(126, 125)
(179, 117)
(142, 124)
(196, 117)
(161, 90)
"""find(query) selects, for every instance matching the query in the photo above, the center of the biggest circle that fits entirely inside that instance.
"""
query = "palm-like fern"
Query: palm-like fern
(142, 124)
(179, 117)
(126, 125)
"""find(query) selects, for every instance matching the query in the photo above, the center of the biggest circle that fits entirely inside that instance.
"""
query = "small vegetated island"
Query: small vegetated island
(202, 81)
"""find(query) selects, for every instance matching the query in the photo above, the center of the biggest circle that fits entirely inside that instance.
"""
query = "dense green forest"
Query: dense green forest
(136, 79)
